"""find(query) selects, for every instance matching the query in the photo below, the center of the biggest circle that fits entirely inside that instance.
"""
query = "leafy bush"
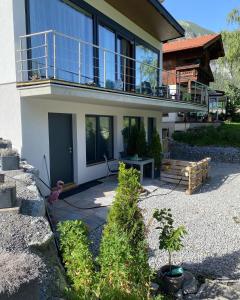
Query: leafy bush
(224, 135)
(123, 259)
(155, 149)
(78, 259)
(170, 238)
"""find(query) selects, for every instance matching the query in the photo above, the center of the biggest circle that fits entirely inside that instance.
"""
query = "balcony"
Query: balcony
(52, 59)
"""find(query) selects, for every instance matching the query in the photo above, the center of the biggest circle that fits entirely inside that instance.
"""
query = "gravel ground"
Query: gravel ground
(212, 219)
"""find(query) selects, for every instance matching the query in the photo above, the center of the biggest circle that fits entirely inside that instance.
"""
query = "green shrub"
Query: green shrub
(155, 149)
(134, 139)
(123, 259)
(78, 259)
(224, 135)
(141, 143)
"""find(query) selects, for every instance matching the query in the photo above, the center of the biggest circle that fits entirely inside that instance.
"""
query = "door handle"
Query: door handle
(70, 150)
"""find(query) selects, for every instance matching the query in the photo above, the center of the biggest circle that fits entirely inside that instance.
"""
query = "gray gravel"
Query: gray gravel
(212, 219)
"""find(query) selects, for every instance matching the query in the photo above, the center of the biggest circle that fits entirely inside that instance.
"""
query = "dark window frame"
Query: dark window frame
(151, 127)
(97, 117)
(100, 19)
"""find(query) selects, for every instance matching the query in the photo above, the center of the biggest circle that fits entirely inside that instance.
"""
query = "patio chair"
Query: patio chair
(111, 171)
(146, 88)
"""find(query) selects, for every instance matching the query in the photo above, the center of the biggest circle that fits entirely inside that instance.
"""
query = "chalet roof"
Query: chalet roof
(198, 42)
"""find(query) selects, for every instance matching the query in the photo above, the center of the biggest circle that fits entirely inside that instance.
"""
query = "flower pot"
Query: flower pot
(9, 163)
(171, 284)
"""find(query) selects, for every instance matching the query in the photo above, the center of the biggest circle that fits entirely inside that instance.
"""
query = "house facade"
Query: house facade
(75, 73)
(188, 61)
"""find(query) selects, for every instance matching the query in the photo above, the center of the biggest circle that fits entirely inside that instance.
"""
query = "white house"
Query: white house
(75, 73)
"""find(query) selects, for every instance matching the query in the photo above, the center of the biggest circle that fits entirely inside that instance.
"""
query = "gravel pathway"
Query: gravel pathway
(212, 219)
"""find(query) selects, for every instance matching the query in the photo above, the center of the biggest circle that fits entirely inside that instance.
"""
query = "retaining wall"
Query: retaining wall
(220, 154)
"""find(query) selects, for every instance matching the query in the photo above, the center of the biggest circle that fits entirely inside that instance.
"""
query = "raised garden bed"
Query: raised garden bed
(187, 173)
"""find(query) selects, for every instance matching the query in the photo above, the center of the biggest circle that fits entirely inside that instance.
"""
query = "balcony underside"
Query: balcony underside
(73, 92)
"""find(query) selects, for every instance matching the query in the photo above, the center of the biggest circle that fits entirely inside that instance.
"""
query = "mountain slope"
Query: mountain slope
(193, 30)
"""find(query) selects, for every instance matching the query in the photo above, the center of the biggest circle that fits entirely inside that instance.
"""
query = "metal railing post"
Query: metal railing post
(179, 87)
(104, 68)
(124, 74)
(141, 78)
(195, 97)
(21, 60)
(79, 62)
(46, 55)
(54, 54)
(167, 86)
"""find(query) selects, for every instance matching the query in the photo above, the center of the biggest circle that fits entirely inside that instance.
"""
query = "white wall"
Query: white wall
(10, 115)
(35, 132)
(12, 24)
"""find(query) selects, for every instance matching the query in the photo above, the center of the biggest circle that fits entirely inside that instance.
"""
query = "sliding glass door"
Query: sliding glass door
(147, 73)
(125, 64)
(106, 57)
(73, 62)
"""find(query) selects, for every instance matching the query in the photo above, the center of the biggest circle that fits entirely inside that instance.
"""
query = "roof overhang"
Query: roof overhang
(151, 16)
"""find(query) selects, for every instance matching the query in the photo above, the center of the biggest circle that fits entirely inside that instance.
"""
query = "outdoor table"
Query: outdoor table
(141, 163)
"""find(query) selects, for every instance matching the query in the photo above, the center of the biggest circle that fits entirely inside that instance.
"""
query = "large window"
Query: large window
(99, 138)
(147, 73)
(82, 62)
(68, 19)
(106, 57)
(130, 122)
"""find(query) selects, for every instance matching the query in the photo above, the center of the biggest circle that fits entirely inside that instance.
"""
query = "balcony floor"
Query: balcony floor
(68, 91)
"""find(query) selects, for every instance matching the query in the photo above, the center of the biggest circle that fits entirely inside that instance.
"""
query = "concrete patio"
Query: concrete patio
(91, 206)
(211, 217)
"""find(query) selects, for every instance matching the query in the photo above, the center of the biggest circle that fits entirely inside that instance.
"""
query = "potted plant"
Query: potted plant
(5, 144)
(9, 159)
(170, 239)
(155, 152)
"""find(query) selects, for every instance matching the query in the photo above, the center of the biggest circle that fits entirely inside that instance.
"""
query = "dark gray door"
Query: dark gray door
(61, 147)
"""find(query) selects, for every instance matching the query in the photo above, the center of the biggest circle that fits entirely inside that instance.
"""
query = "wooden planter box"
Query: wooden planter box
(187, 173)
(9, 163)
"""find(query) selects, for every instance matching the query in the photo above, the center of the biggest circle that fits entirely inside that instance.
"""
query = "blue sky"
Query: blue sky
(210, 14)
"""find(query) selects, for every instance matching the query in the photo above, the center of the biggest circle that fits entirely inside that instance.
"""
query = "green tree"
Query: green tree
(124, 270)
(155, 149)
(170, 238)
(228, 68)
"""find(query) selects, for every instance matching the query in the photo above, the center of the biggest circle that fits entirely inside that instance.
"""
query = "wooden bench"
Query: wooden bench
(187, 173)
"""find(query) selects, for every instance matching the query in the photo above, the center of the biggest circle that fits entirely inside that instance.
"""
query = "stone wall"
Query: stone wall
(194, 153)
(28, 254)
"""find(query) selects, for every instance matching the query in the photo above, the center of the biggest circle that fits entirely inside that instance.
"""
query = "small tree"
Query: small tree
(123, 259)
(155, 149)
(170, 238)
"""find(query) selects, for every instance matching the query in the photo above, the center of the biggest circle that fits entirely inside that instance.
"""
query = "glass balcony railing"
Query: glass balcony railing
(54, 55)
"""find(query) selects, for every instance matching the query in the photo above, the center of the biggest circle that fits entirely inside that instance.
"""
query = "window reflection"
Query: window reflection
(106, 58)
(99, 138)
(146, 70)
(70, 20)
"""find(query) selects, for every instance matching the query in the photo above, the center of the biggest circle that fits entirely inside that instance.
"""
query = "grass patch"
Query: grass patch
(227, 134)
